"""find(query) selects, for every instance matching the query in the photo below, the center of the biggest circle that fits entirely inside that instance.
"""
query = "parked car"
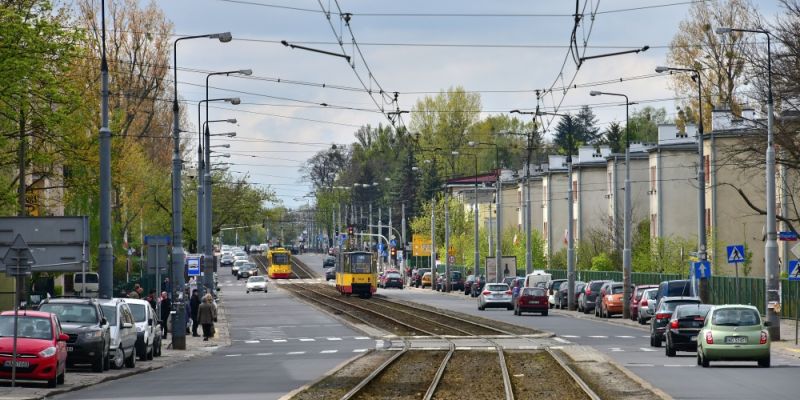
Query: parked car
(329, 261)
(416, 277)
(734, 333)
(612, 299)
(88, 280)
(123, 332)
(89, 334)
(677, 288)
(477, 286)
(552, 288)
(148, 329)
(41, 343)
(495, 295)
(636, 298)
(468, 284)
(663, 313)
(391, 279)
(425, 281)
(647, 306)
(561, 295)
(536, 277)
(531, 299)
(587, 302)
(456, 281)
(330, 273)
(256, 284)
(685, 323)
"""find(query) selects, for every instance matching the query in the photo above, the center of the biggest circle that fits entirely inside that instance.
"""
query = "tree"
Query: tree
(567, 137)
(644, 124)
(614, 137)
(588, 132)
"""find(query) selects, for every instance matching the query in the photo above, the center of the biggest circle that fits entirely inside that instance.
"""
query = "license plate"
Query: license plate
(70, 348)
(693, 338)
(533, 302)
(736, 339)
(20, 364)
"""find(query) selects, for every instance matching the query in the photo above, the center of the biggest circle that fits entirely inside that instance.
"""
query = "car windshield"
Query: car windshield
(256, 279)
(72, 313)
(280, 258)
(139, 313)
(679, 288)
(533, 292)
(557, 284)
(27, 327)
(690, 311)
(650, 294)
(360, 263)
(736, 317)
(111, 314)
(616, 289)
(90, 278)
(393, 275)
(239, 263)
(671, 305)
(497, 287)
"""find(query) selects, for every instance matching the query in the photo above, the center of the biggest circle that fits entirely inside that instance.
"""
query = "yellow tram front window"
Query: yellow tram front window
(360, 263)
(280, 258)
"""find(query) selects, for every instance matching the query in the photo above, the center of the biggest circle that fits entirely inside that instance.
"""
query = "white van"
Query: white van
(90, 279)
(538, 276)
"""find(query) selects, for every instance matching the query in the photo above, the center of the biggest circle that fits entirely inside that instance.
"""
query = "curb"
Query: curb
(324, 376)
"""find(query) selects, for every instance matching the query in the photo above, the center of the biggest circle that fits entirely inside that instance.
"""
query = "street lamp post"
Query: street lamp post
(771, 268)
(626, 250)
(527, 205)
(702, 253)
(498, 252)
(179, 335)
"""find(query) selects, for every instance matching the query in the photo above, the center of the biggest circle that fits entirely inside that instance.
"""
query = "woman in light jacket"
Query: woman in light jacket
(206, 315)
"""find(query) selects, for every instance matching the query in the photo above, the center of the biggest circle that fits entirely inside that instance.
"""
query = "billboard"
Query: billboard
(508, 268)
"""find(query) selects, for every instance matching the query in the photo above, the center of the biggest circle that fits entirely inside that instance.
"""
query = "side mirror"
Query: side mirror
(127, 325)
(63, 337)
(149, 321)
(767, 324)
(103, 321)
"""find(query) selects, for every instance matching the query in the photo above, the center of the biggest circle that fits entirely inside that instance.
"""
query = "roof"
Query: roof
(489, 177)
(26, 313)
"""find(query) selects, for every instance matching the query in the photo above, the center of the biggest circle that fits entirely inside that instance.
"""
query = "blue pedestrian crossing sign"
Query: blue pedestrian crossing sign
(794, 270)
(736, 254)
(701, 269)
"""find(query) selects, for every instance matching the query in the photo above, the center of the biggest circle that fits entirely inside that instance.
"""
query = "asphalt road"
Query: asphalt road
(679, 377)
(278, 344)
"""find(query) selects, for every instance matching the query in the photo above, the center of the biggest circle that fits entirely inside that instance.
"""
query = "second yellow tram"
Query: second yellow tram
(279, 263)
(357, 274)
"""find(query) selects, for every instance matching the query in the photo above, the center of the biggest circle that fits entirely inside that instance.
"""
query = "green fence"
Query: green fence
(722, 288)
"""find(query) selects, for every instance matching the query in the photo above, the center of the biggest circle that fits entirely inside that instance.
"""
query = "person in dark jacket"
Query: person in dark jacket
(194, 304)
(166, 308)
(206, 314)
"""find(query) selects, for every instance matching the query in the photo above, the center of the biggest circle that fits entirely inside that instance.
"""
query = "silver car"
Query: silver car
(646, 310)
(495, 295)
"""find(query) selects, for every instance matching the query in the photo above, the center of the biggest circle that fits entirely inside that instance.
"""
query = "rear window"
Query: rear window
(616, 289)
(393, 275)
(699, 310)
(139, 313)
(557, 285)
(736, 317)
(497, 287)
(533, 292)
(650, 294)
(596, 286)
(679, 288)
(672, 305)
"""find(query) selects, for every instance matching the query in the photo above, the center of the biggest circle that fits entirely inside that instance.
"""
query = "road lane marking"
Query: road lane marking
(361, 338)
(556, 347)
(646, 349)
(263, 354)
(278, 340)
(625, 337)
(233, 355)
(334, 338)
(295, 353)
(598, 337)
(558, 339)
(307, 340)
(615, 349)
(676, 365)
(252, 341)
(328, 351)
(570, 336)
(360, 350)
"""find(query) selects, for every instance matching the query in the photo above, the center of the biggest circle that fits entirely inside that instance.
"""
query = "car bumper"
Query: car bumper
(38, 368)
(396, 284)
(614, 308)
(275, 275)
(489, 303)
(589, 304)
(141, 344)
(686, 341)
(84, 351)
(257, 288)
(729, 352)
(525, 306)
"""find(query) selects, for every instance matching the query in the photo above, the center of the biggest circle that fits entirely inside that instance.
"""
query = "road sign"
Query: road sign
(399, 256)
(701, 269)
(794, 270)
(18, 258)
(421, 245)
(59, 244)
(393, 243)
(787, 236)
(735, 254)
(193, 265)
(451, 259)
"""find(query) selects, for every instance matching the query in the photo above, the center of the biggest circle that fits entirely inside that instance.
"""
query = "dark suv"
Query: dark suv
(89, 332)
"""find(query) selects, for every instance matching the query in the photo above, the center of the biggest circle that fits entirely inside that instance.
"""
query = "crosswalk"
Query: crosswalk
(302, 340)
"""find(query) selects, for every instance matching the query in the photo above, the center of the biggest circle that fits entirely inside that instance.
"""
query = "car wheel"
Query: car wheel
(509, 308)
(118, 359)
(669, 350)
(652, 341)
(703, 361)
(157, 349)
(150, 354)
(247, 291)
(544, 313)
(699, 362)
(130, 362)
(764, 362)
(657, 341)
(99, 363)
(51, 383)
(481, 308)
(106, 362)
(61, 378)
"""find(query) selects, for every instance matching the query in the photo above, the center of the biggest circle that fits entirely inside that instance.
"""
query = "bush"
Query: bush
(602, 262)
(59, 290)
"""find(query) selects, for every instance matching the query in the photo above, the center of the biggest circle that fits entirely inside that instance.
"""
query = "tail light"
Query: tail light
(644, 303)
(710, 339)
(486, 292)
(763, 338)
(508, 292)
(673, 324)
(588, 291)
(662, 315)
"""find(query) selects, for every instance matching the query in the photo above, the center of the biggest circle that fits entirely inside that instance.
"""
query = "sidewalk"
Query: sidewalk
(79, 379)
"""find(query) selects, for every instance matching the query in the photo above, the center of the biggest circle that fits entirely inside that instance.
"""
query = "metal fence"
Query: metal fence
(722, 288)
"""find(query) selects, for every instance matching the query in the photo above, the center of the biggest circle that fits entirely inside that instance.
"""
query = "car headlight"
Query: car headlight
(48, 352)
(92, 334)
(139, 328)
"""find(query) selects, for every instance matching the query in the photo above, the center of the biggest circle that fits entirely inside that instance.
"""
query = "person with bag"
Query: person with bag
(206, 315)
(194, 304)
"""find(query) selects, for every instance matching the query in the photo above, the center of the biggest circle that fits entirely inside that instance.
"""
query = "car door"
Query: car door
(128, 327)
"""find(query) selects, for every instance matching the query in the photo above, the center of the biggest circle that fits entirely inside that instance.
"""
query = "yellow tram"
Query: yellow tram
(357, 274)
(279, 263)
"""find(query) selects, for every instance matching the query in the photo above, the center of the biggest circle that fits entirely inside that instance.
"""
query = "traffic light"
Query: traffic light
(350, 230)
(394, 252)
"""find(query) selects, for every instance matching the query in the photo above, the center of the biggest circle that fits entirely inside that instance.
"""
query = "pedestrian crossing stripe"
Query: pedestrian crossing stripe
(794, 270)
(735, 253)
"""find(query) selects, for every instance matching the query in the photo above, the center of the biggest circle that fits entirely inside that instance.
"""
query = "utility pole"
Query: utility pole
(570, 233)
(106, 247)
(389, 235)
(380, 232)
(446, 287)
(403, 236)
(498, 252)
(433, 242)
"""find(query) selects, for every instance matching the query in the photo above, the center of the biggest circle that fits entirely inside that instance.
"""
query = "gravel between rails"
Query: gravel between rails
(406, 379)
(340, 382)
(536, 375)
(471, 374)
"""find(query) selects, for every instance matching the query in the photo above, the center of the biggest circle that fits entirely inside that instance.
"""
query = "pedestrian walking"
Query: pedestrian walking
(194, 304)
(206, 314)
(166, 308)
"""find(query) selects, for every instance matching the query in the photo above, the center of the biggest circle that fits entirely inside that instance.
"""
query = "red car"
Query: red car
(532, 299)
(636, 299)
(41, 347)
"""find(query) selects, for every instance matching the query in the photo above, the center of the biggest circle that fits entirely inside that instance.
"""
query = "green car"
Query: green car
(733, 333)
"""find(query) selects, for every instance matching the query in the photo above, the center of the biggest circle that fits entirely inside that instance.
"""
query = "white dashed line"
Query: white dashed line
(295, 353)
(599, 337)
(278, 340)
(252, 341)
(615, 349)
(570, 336)
(263, 354)
(360, 350)
(560, 340)
(646, 349)
(639, 365)
(626, 337)
(676, 365)
(328, 351)
(334, 338)
(556, 347)
(361, 338)
(307, 340)
(233, 355)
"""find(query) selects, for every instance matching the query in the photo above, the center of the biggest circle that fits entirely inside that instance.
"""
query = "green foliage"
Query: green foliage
(602, 262)
(614, 137)
(644, 124)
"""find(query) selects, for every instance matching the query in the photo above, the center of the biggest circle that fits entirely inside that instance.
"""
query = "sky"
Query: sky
(504, 49)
